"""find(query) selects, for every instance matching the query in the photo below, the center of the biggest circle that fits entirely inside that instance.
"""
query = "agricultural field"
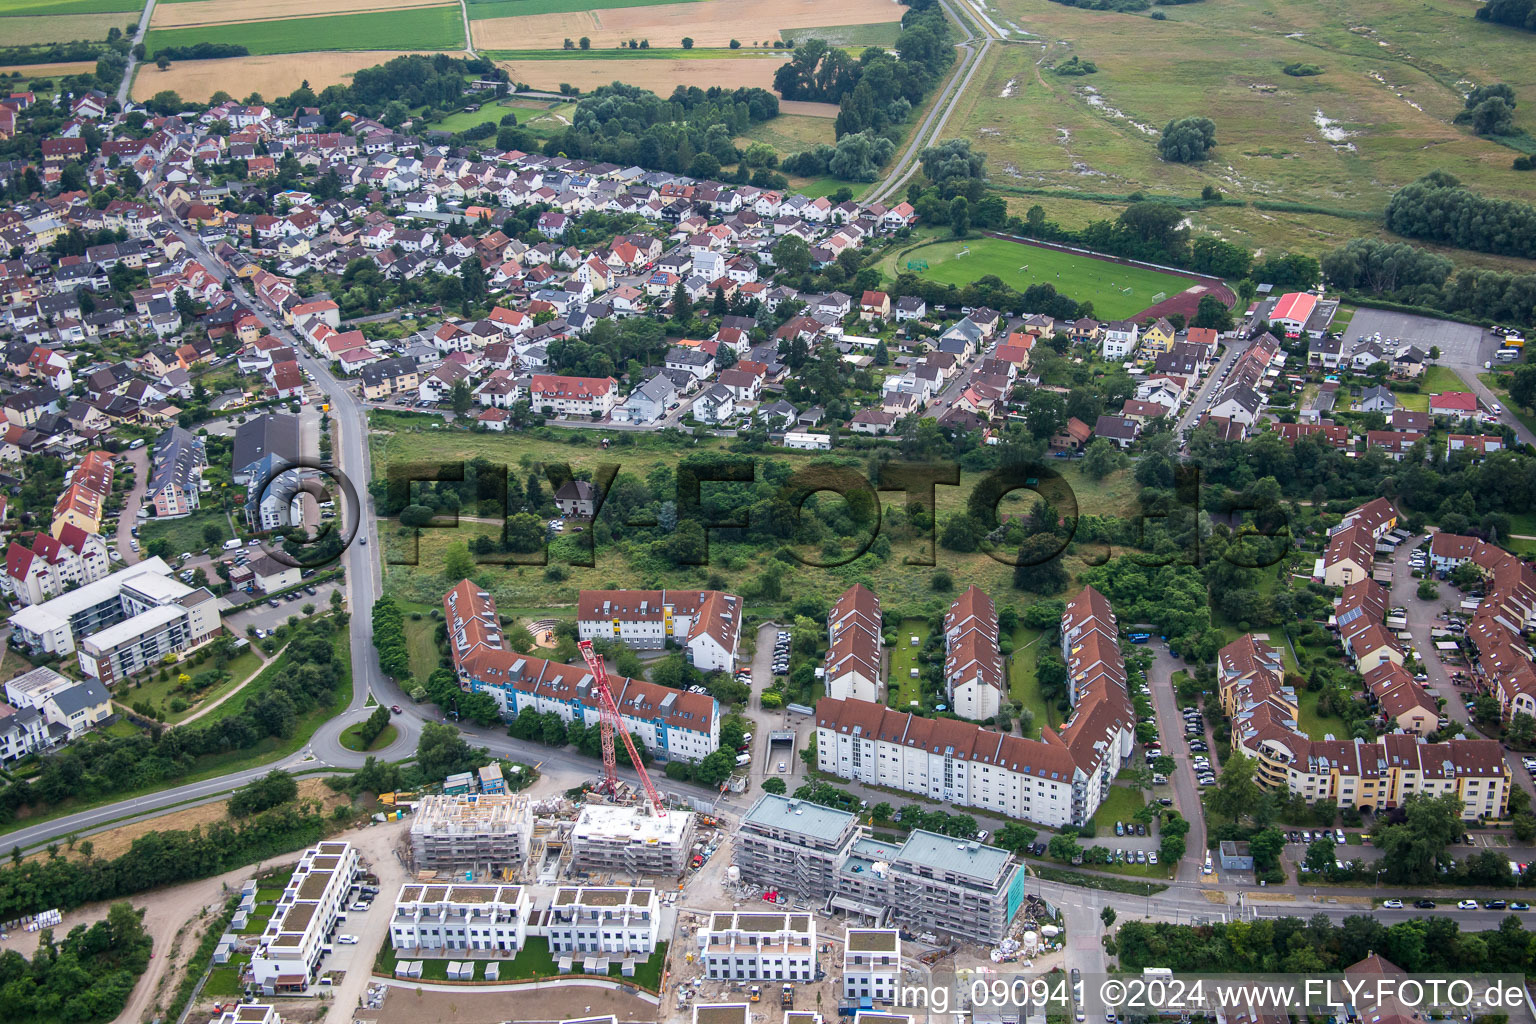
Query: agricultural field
(880, 33)
(660, 74)
(790, 133)
(47, 70)
(481, 9)
(273, 75)
(29, 29)
(221, 12)
(1378, 116)
(1117, 291)
(709, 23)
(19, 8)
(421, 28)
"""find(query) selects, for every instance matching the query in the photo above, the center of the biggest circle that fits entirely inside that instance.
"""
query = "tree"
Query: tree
(1107, 915)
(1235, 793)
(375, 725)
(1102, 458)
(461, 398)
(584, 43)
(441, 752)
(458, 563)
(1187, 140)
(1212, 313)
(774, 784)
(1414, 839)
(687, 42)
(735, 44)
(1064, 846)
(960, 216)
(1522, 386)
(162, 62)
(274, 788)
(1320, 856)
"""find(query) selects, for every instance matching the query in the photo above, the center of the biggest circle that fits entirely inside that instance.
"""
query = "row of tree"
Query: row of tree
(1438, 208)
(1406, 274)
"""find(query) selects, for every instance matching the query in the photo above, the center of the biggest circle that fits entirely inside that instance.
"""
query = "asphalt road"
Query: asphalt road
(138, 37)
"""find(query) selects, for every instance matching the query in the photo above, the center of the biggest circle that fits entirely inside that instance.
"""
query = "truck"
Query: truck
(755, 993)
(232, 544)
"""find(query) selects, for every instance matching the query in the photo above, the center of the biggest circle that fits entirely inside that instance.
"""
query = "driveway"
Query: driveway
(126, 520)
(1207, 390)
(1170, 728)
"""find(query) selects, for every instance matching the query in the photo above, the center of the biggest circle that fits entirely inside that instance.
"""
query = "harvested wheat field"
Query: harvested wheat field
(221, 12)
(273, 75)
(49, 70)
(660, 76)
(707, 22)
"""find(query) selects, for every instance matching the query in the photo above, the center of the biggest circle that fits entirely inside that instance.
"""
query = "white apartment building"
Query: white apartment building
(48, 566)
(853, 645)
(872, 963)
(450, 918)
(290, 948)
(123, 622)
(759, 946)
(706, 623)
(603, 919)
(571, 396)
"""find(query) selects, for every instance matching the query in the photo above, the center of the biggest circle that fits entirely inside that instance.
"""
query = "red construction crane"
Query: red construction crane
(608, 710)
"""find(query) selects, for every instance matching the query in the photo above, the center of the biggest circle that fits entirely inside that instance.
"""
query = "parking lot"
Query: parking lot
(1458, 343)
(265, 617)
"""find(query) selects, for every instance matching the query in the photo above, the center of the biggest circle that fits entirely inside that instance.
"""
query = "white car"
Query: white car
(347, 940)
(1466, 905)
(1393, 904)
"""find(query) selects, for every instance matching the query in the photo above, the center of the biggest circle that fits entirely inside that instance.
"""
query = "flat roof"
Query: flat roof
(50, 615)
(873, 940)
(634, 824)
(802, 816)
(721, 1013)
(964, 857)
(147, 621)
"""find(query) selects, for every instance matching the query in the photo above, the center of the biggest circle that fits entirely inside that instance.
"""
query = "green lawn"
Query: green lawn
(479, 9)
(421, 641)
(424, 28)
(1439, 379)
(15, 8)
(1413, 402)
(468, 119)
(534, 961)
(1313, 724)
(1120, 804)
(1022, 686)
(1116, 291)
(351, 738)
(909, 691)
(186, 533)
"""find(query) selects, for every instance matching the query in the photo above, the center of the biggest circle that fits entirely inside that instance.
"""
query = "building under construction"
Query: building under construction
(631, 840)
(487, 834)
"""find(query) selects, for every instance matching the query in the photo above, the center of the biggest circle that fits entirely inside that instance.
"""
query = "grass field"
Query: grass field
(660, 74)
(429, 28)
(1116, 291)
(1022, 686)
(1379, 117)
(790, 133)
(351, 738)
(13, 8)
(22, 30)
(185, 534)
(271, 75)
(158, 692)
(880, 33)
(219, 12)
(1120, 804)
(514, 8)
(904, 660)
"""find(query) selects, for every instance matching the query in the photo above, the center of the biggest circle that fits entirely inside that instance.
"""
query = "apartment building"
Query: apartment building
(455, 918)
(973, 665)
(671, 723)
(1506, 612)
(176, 473)
(179, 618)
(1377, 774)
(488, 833)
(928, 882)
(852, 660)
(1351, 551)
(631, 840)
(83, 502)
(1059, 779)
(68, 708)
(871, 963)
(705, 623)
(42, 566)
(290, 945)
(603, 919)
(552, 394)
(759, 946)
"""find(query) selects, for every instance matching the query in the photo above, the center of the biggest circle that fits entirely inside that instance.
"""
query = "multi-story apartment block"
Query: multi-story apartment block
(853, 645)
(176, 475)
(594, 919)
(552, 394)
(487, 833)
(759, 946)
(43, 566)
(122, 622)
(631, 840)
(1377, 774)
(487, 918)
(872, 963)
(1059, 779)
(290, 946)
(928, 882)
(1351, 551)
(973, 666)
(706, 623)
(673, 724)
